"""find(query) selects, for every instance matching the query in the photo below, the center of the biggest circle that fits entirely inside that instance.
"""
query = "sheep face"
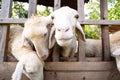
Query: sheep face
(63, 32)
(37, 31)
(65, 22)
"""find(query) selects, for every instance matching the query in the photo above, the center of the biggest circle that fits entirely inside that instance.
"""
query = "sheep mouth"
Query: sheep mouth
(65, 39)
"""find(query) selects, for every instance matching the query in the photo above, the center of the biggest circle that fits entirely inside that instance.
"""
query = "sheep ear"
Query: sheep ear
(79, 31)
(52, 38)
(116, 52)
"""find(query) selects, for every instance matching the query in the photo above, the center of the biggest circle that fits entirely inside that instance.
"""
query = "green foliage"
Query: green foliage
(18, 10)
(46, 12)
(92, 31)
(114, 13)
(92, 10)
(0, 4)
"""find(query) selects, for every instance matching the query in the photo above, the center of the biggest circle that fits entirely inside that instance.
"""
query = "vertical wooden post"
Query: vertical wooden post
(32, 7)
(81, 50)
(80, 7)
(57, 4)
(105, 31)
(4, 29)
(55, 54)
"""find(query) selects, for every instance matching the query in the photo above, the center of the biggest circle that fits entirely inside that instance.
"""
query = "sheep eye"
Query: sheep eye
(52, 24)
(77, 16)
(52, 17)
(66, 30)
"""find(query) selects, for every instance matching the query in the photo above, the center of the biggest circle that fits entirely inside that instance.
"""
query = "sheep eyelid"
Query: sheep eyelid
(77, 16)
(66, 30)
(52, 24)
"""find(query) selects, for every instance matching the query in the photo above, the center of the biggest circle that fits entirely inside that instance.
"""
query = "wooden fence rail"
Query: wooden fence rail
(86, 22)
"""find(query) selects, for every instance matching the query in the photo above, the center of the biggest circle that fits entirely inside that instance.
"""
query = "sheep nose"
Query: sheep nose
(63, 30)
(66, 29)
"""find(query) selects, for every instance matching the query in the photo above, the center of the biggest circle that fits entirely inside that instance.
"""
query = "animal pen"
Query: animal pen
(77, 68)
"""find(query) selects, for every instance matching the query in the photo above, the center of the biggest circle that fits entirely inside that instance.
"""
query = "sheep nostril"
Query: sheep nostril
(66, 30)
(58, 29)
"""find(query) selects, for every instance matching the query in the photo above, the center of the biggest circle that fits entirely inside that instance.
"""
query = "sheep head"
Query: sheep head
(36, 30)
(65, 25)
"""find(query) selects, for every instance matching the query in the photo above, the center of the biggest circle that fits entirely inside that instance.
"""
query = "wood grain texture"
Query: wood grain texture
(4, 30)
(105, 31)
(32, 7)
(79, 66)
(7, 69)
(57, 4)
(69, 71)
(86, 22)
(80, 8)
(81, 71)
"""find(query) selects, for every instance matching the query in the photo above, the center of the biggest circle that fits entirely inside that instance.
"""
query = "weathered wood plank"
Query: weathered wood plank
(114, 28)
(105, 31)
(4, 30)
(80, 7)
(68, 70)
(104, 75)
(32, 7)
(81, 50)
(87, 22)
(105, 44)
(7, 69)
(100, 22)
(57, 4)
(12, 21)
(79, 66)
(56, 53)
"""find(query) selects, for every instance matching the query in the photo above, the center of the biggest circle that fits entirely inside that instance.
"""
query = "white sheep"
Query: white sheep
(65, 25)
(94, 47)
(115, 47)
(30, 47)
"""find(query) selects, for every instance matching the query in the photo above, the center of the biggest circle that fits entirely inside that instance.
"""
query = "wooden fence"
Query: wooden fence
(97, 69)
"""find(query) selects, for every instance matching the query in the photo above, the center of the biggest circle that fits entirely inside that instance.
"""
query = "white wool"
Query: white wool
(30, 62)
(65, 24)
(94, 47)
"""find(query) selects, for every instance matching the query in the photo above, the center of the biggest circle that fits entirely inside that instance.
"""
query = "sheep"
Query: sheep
(94, 47)
(63, 31)
(115, 47)
(30, 47)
